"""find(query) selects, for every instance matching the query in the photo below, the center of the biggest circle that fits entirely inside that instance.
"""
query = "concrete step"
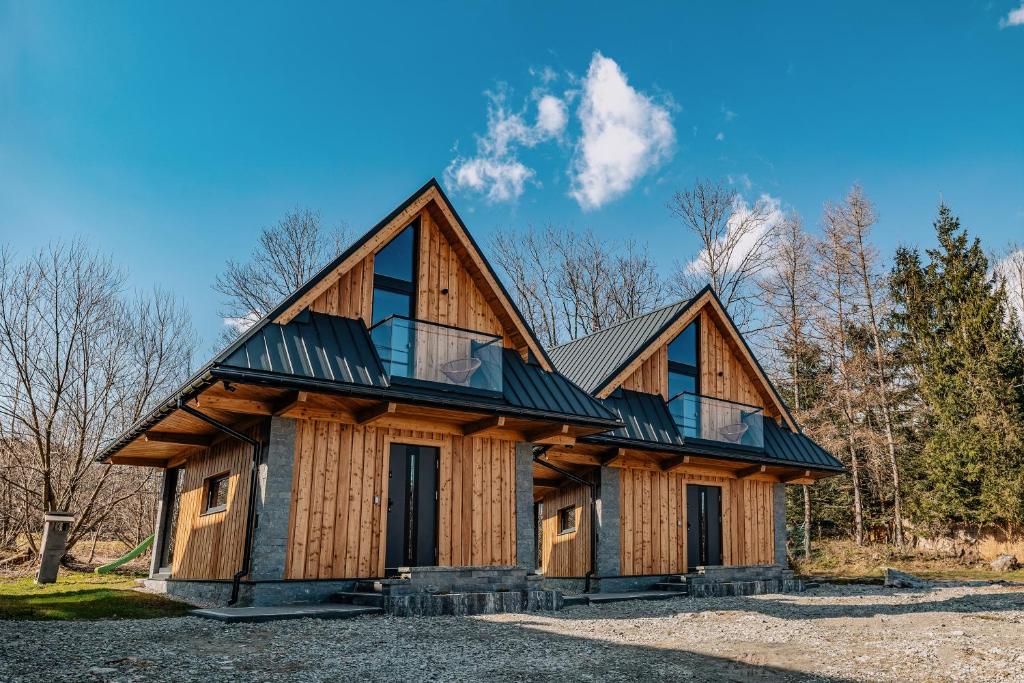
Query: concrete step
(671, 586)
(605, 598)
(284, 612)
(357, 598)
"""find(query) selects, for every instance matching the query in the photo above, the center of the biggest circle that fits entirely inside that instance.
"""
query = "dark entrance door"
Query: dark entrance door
(703, 526)
(412, 507)
(168, 531)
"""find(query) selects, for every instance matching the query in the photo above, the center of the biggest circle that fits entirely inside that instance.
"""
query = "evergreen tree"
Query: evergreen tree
(967, 364)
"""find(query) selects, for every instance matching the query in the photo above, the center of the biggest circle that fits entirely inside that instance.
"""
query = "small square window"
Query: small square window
(567, 520)
(216, 493)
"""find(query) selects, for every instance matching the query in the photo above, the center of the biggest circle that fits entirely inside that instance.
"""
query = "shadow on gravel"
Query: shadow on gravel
(786, 606)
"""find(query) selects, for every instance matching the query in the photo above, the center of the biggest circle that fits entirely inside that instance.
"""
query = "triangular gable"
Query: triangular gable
(431, 198)
(706, 300)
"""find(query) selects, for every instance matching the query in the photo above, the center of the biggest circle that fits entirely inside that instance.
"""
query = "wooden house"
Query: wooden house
(384, 416)
(695, 476)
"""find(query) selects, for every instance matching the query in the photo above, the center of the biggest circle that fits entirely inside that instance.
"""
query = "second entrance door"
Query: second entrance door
(703, 526)
(412, 507)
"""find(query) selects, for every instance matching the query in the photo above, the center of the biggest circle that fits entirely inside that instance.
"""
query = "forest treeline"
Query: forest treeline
(908, 366)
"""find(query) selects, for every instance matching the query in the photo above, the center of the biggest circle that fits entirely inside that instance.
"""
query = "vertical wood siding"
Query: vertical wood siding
(566, 554)
(210, 546)
(724, 374)
(338, 528)
(652, 376)
(653, 519)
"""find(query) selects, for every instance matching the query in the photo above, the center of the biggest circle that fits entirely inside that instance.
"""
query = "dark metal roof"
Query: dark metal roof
(593, 360)
(648, 425)
(331, 349)
(312, 345)
(645, 418)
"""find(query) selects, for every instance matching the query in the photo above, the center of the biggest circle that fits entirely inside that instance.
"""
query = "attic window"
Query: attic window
(567, 520)
(394, 276)
(216, 498)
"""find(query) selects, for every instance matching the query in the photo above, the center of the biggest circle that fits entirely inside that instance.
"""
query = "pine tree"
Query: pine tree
(968, 366)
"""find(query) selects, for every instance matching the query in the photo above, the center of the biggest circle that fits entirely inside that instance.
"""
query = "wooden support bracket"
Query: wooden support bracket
(484, 425)
(751, 471)
(794, 476)
(377, 412)
(670, 464)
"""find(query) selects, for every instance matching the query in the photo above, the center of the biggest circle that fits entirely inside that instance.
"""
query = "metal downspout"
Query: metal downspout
(538, 452)
(250, 517)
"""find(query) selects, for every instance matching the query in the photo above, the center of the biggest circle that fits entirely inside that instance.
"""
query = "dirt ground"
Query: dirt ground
(830, 633)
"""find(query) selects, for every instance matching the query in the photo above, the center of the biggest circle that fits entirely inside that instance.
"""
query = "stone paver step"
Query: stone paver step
(671, 586)
(605, 598)
(259, 614)
(360, 598)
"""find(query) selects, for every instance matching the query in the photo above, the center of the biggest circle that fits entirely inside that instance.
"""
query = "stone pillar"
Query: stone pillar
(162, 508)
(609, 535)
(779, 504)
(56, 526)
(273, 501)
(526, 543)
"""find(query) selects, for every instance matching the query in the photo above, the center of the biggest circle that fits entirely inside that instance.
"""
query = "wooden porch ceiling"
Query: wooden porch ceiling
(180, 435)
(583, 459)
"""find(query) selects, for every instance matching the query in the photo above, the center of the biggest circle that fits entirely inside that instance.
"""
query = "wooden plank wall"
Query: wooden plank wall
(337, 529)
(723, 374)
(439, 267)
(210, 546)
(653, 519)
(652, 376)
(566, 554)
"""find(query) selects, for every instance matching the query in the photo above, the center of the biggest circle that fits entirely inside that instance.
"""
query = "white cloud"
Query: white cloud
(496, 171)
(243, 323)
(545, 74)
(745, 231)
(720, 136)
(741, 179)
(625, 135)
(1014, 18)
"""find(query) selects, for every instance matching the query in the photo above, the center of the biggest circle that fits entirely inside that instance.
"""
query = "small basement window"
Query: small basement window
(567, 520)
(216, 493)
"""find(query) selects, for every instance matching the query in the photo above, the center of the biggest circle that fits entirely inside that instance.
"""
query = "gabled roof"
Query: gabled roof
(429, 195)
(593, 360)
(596, 361)
(648, 425)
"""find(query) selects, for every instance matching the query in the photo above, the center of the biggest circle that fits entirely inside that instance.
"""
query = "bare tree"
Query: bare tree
(79, 363)
(285, 256)
(787, 293)
(1010, 271)
(736, 245)
(569, 284)
(835, 276)
(859, 216)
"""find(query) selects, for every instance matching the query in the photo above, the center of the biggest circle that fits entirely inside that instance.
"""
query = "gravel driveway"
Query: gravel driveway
(831, 633)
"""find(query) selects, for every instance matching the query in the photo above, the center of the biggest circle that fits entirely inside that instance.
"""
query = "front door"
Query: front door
(169, 530)
(412, 507)
(703, 526)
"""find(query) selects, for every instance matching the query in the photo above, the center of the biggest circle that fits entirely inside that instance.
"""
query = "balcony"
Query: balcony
(417, 351)
(723, 422)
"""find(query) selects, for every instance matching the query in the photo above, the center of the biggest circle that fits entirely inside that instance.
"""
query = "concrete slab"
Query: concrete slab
(259, 614)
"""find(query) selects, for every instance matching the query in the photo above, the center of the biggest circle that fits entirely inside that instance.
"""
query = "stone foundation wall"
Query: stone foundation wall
(465, 604)
(260, 594)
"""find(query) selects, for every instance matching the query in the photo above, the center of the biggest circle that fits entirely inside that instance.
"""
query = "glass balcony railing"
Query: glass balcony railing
(429, 352)
(712, 419)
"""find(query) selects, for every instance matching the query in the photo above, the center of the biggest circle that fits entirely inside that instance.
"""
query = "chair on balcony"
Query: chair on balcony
(461, 370)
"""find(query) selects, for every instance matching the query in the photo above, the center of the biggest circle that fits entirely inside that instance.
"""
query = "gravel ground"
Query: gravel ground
(830, 633)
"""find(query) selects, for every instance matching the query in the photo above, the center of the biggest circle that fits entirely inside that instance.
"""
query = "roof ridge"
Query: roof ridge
(621, 322)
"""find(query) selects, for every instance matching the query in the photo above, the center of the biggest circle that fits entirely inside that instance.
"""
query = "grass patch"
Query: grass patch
(845, 562)
(82, 596)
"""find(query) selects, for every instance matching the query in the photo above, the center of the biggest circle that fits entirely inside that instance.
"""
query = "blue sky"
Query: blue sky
(167, 136)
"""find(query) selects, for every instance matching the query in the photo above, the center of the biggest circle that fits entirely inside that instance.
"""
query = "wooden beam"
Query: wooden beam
(793, 476)
(294, 399)
(300, 412)
(670, 464)
(611, 456)
(376, 412)
(483, 425)
(179, 438)
(234, 405)
(750, 471)
(557, 436)
(573, 458)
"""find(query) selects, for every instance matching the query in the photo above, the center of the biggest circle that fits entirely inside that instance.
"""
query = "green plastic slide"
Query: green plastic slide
(135, 552)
